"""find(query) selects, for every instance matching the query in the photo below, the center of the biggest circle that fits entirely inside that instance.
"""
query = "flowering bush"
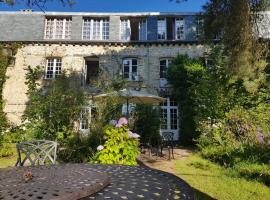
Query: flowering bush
(121, 146)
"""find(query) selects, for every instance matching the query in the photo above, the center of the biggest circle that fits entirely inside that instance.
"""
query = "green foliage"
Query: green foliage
(119, 148)
(53, 110)
(4, 62)
(147, 123)
(183, 74)
(237, 24)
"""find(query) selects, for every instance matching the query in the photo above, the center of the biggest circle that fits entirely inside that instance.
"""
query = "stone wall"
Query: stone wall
(110, 58)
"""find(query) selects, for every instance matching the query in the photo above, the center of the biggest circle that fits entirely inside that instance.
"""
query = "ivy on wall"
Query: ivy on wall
(6, 60)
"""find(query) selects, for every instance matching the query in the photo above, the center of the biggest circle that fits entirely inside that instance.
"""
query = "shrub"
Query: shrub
(147, 123)
(121, 146)
(77, 149)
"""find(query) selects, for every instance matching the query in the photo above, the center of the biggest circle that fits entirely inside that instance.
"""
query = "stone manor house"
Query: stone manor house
(137, 46)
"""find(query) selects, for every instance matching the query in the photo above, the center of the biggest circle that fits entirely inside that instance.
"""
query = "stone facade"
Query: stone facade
(110, 61)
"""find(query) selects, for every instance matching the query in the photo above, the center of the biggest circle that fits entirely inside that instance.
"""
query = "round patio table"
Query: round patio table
(91, 181)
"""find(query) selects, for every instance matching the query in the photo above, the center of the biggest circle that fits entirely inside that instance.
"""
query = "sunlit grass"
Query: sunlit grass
(8, 161)
(214, 182)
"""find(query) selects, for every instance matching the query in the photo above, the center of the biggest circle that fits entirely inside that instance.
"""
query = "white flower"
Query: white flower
(113, 122)
(100, 147)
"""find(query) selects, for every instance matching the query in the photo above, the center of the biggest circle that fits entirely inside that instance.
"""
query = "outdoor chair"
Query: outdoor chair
(39, 152)
(167, 141)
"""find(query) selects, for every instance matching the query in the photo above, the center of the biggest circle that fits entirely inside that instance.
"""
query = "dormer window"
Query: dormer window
(96, 29)
(162, 29)
(125, 30)
(58, 28)
(199, 27)
(179, 29)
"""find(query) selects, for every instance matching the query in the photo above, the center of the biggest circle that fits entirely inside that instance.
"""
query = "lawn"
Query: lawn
(8, 161)
(211, 181)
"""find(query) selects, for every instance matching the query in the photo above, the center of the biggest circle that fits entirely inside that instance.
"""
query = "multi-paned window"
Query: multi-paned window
(96, 29)
(143, 30)
(162, 29)
(130, 67)
(169, 115)
(84, 119)
(53, 68)
(163, 66)
(179, 29)
(199, 26)
(58, 28)
(125, 30)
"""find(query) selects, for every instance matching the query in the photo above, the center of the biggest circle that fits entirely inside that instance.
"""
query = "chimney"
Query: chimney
(26, 10)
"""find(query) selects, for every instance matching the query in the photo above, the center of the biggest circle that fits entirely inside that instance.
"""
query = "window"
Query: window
(143, 30)
(53, 68)
(58, 28)
(163, 66)
(162, 29)
(125, 30)
(130, 69)
(179, 29)
(96, 29)
(84, 116)
(199, 27)
(169, 115)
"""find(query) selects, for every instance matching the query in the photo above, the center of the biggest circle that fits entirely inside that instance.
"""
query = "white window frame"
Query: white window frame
(56, 72)
(143, 21)
(180, 23)
(168, 107)
(162, 28)
(125, 31)
(85, 119)
(132, 76)
(199, 24)
(54, 31)
(168, 62)
(103, 35)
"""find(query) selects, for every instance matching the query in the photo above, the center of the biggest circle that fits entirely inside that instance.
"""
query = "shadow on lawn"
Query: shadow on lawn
(198, 195)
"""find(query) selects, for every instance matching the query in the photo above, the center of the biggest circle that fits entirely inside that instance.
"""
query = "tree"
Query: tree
(237, 23)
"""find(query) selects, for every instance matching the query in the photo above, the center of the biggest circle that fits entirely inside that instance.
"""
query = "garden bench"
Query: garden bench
(39, 152)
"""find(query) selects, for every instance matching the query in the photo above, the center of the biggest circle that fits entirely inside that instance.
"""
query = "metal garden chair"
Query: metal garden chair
(167, 141)
(39, 152)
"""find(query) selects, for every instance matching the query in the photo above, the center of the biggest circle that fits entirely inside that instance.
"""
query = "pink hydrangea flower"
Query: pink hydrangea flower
(122, 121)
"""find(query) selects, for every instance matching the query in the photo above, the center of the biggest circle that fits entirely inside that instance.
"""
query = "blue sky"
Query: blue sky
(116, 6)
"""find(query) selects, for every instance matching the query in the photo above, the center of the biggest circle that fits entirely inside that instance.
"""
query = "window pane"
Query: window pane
(49, 28)
(105, 29)
(179, 27)
(130, 69)
(143, 30)
(164, 119)
(173, 116)
(53, 68)
(164, 64)
(86, 29)
(58, 28)
(162, 29)
(199, 27)
(96, 30)
(125, 30)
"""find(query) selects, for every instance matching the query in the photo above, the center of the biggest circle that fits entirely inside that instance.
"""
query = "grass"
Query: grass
(8, 161)
(211, 181)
